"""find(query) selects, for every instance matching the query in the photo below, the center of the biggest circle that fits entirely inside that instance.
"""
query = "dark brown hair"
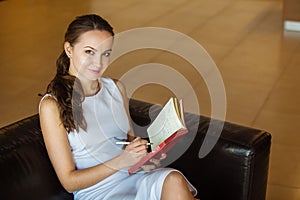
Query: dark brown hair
(67, 88)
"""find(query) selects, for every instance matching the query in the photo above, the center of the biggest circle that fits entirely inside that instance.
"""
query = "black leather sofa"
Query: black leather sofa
(235, 169)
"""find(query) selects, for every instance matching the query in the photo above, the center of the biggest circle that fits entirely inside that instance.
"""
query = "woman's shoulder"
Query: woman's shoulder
(120, 85)
(107, 80)
(112, 82)
(48, 101)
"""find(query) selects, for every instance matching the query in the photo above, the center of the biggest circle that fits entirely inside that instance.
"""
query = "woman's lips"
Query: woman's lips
(94, 71)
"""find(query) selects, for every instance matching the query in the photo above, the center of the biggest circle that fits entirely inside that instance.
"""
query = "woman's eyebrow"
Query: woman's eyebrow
(96, 49)
(91, 48)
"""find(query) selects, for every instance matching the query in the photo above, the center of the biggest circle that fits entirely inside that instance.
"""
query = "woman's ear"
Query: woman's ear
(68, 49)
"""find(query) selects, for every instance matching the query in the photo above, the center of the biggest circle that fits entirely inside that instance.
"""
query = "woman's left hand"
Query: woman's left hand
(154, 163)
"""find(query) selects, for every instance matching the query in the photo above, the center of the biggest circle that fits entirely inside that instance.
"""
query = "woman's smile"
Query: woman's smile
(95, 71)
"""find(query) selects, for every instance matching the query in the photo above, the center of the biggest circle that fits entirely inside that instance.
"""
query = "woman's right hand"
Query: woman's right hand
(134, 152)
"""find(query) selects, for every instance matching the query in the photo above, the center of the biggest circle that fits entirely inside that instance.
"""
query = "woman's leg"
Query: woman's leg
(175, 187)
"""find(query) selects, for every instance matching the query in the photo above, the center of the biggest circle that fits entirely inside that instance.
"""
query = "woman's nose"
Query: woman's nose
(97, 61)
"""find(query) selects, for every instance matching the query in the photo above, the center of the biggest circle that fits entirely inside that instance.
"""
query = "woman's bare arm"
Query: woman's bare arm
(58, 148)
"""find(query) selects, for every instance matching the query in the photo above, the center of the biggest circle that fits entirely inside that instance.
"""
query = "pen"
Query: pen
(123, 142)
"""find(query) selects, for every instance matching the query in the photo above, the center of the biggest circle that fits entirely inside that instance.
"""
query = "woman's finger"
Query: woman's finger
(156, 162)
(148, 168)
(163, 156)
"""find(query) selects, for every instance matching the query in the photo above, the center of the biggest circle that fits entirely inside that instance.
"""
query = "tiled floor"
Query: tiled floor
(258, 61)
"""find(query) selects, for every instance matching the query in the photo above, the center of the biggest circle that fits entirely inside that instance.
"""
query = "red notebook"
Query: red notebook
(165, 131)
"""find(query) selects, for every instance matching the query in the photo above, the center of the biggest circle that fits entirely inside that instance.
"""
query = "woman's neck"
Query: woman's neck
(90, 88)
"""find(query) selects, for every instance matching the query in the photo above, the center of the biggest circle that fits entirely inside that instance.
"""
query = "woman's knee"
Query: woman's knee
(176, 187)
(175, 179)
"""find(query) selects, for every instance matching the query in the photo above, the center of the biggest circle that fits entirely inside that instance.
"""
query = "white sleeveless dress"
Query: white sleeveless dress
(107, 122)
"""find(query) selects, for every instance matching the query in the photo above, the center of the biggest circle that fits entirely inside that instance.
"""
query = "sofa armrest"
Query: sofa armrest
(237, 166)
(25, 169)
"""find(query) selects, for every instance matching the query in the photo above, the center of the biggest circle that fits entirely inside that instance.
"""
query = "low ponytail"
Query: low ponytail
(69, 94)
(62, 64)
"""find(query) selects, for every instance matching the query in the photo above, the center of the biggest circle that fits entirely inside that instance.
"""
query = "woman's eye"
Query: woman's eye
(89, 52)
(106, 54)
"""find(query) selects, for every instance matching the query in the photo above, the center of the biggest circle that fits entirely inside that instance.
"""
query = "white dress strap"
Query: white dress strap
(44, 97)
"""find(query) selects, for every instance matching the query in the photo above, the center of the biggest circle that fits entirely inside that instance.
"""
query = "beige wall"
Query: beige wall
(291, 10)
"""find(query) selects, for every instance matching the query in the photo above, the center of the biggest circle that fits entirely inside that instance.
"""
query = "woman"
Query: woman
(82, 116)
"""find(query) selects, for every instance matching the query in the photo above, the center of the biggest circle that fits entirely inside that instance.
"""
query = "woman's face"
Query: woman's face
(89, 57)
